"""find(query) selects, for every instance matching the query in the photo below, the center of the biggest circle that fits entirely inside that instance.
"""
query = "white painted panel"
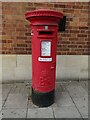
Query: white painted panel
(22, 73)
(24, 61)
(8, 73)
(18, 67)
(9, 61)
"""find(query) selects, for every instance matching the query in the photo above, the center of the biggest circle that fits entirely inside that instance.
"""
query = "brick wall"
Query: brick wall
(16, 38)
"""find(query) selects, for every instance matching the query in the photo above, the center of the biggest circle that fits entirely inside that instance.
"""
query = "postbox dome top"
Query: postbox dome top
(43, 13)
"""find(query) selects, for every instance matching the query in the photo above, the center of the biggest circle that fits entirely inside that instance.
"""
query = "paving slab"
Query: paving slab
(84, 116)
(69, 98)
(22, 88)
(80, 97)
(68, 118)
(66, 112)
(16, 101)
(40, 113)
(84, 84)
(76, 90)
(0, 115)
(0, 105)
(14, 113)
(0, 88)
(82, 105)
(63, 99)
(5, 90)
(0, 100)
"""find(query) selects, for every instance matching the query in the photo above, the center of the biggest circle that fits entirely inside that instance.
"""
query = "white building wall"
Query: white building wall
(69, 67)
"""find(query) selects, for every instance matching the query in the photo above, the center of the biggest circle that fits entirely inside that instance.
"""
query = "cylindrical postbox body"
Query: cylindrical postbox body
(44, 25)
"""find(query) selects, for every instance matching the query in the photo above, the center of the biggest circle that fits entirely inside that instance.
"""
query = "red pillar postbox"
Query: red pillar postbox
(44, 25)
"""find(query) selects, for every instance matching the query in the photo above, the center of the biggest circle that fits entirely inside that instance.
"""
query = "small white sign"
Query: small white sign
(45, 59)
(45, 48)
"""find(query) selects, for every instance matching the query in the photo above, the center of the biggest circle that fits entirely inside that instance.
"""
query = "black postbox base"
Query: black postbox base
(43, 99)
